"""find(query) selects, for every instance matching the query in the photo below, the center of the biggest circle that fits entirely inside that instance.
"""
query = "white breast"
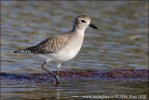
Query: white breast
(67, 53)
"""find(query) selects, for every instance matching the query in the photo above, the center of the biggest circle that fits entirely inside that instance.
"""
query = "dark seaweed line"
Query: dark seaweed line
(123, 74)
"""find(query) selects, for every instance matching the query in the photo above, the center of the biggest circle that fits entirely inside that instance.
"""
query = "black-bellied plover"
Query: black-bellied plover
(62, 47)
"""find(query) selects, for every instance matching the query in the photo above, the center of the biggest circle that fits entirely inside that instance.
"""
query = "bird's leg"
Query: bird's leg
(55, 76)
(59, 65)
(58, 71)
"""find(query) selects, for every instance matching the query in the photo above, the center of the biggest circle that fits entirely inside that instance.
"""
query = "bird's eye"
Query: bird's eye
(83, 21)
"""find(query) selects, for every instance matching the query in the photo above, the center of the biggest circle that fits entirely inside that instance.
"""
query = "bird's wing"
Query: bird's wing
(50, 45)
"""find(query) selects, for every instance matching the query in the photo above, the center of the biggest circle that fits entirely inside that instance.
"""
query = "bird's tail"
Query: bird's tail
(23, 51)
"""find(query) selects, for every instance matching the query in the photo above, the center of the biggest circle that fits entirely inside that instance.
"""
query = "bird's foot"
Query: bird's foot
(57, 80)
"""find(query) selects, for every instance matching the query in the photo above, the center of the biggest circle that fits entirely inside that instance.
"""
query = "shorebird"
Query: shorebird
(62, 47)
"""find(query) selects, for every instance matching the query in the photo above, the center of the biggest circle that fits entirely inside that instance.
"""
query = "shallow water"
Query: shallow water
(121, 42)
(28, 91)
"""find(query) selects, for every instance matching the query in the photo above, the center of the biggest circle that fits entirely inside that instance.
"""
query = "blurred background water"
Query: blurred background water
(120, 43)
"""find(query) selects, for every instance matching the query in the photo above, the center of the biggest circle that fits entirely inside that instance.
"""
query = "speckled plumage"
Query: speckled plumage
(50, 45)
(62, 47)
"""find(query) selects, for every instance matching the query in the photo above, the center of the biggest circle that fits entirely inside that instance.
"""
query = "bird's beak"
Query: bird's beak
(93, 26)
